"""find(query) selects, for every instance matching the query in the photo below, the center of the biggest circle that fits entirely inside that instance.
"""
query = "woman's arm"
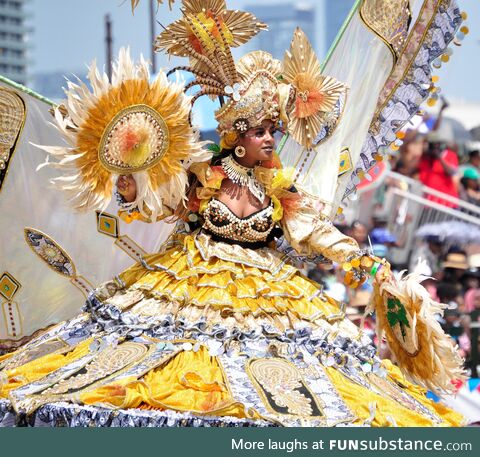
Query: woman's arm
(311, 233)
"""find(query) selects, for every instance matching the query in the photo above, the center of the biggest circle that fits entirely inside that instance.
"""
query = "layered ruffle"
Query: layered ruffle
(229, 279)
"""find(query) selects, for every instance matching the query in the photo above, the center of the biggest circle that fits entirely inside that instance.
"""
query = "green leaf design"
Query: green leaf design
(215, 148)
(397, 315)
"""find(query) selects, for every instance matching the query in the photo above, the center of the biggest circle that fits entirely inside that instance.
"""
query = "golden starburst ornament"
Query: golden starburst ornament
(315, 94)
(128, 125)
(207, 28)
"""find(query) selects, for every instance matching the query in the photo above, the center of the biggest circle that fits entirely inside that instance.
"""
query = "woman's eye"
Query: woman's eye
(259, 133)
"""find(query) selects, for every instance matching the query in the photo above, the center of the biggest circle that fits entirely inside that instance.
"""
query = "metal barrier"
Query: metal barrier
(407, 206)
(474, 333)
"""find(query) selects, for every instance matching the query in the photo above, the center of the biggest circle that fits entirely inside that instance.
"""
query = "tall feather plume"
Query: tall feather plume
(205, 34)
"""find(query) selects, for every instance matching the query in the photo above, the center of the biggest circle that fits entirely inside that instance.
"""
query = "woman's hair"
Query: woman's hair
(217, 159)
(182, 211)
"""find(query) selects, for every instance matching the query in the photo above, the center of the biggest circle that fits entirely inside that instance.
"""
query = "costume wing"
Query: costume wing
(50, 256)
(384, 55)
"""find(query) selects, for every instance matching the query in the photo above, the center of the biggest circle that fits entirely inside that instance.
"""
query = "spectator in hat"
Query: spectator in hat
(426, 259)
(454, 266)
(472, 164)
(437, 168)
(470, 186)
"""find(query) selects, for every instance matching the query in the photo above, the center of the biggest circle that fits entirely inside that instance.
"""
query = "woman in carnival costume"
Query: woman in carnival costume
(219, 327)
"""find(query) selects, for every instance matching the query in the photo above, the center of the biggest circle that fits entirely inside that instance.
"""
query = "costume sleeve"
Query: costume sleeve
(405, 312)
(311, 233)
(129, 214)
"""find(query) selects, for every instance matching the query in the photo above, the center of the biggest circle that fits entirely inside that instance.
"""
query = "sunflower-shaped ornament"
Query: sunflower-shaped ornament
(131, 127)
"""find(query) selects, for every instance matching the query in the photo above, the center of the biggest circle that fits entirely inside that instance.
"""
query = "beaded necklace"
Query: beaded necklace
(243, 176)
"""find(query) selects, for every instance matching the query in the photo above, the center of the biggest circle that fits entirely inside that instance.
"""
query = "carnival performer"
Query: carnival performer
(219, 327)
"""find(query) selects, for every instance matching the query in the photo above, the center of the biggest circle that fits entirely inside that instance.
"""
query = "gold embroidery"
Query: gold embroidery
(50, 252)
(389, 19)
(12, 119)
(8, 286)
(24, 355)
(282, 388)
(389, 388)
(108, 362)
(407, 58)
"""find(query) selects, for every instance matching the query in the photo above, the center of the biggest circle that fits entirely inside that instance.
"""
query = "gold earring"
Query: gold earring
(240, 151)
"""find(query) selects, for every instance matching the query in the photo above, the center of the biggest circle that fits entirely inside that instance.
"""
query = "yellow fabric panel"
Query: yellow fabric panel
(358, 399)
(190, 381)
(448, 415)
(40, 367)
(6, 356)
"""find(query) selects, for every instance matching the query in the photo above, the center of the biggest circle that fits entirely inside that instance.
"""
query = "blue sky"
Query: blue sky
(68, 34)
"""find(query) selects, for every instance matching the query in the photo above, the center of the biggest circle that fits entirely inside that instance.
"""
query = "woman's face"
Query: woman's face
(258, 143)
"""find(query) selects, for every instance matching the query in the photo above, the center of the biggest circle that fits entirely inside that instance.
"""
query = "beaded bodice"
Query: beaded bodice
(222, 222)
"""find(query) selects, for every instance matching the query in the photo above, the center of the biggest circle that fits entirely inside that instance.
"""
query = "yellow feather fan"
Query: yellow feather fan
(405, 315)
(199, 15)
(127, 126)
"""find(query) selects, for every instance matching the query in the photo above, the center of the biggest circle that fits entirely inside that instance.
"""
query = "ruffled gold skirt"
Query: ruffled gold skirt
(215, 329)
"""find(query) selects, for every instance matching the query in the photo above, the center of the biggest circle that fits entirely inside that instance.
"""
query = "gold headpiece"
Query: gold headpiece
(206, 33)
(255, 97)
(257, 88)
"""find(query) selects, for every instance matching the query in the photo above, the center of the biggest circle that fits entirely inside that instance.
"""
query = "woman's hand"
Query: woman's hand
(127, 187)
(383, 272)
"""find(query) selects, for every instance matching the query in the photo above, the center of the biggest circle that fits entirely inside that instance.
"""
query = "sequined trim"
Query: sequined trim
(220, 220)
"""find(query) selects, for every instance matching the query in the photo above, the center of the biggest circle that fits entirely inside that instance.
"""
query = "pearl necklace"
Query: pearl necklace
(243, 176)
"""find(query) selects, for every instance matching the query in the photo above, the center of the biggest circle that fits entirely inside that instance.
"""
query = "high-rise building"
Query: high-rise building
(282, 19)
(13, 40)
(321, 20)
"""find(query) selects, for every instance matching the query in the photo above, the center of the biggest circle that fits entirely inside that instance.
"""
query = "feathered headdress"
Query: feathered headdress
(205, 34)
(258, 87)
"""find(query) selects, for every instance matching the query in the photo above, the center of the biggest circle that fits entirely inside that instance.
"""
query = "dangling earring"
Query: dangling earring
(240, 151)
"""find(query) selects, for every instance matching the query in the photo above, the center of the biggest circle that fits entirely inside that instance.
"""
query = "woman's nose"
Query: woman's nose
(268, 136)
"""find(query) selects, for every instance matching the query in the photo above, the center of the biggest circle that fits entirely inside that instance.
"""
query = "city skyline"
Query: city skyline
(13, 42)
(62, 42)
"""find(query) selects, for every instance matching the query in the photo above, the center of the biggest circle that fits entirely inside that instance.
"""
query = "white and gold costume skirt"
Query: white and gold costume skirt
(208, 333)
